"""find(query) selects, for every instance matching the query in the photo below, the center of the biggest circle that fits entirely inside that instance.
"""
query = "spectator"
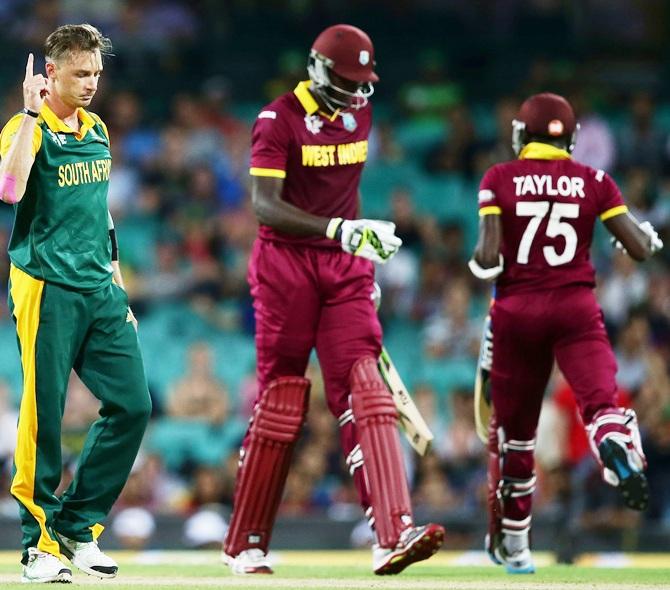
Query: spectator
(199, 395)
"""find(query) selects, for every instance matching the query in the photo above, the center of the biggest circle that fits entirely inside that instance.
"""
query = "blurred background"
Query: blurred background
(179, 98)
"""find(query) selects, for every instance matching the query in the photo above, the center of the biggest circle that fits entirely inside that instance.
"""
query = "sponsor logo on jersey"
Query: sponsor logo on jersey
(334, 155)
(267, 115)
(349, 121)
(536, 184)
(84, 172)
(313, 123)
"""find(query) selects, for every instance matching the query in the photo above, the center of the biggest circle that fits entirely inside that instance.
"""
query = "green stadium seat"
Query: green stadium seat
(180, 442)
(10, 368)
(417, 136)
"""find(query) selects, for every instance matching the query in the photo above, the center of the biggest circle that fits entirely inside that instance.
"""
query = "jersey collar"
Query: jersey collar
(59, 126)
(542, 151)
(308, 102)
(305, 97)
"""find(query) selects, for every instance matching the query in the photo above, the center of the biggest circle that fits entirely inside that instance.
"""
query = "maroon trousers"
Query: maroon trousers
(306, 298)
(530, 330)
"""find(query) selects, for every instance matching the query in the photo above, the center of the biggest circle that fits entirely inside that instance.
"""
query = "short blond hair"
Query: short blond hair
(68, 38)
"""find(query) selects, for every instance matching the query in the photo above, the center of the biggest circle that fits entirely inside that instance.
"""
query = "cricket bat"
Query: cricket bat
(482, 383)
(412, 423)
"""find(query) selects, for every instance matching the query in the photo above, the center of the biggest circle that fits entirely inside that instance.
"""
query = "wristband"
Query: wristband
(486, 274)
(334, 228)
(27, 111)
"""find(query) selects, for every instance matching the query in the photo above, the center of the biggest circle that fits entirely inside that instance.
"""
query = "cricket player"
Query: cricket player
(311, 276)
(537, 216)
(67, 300)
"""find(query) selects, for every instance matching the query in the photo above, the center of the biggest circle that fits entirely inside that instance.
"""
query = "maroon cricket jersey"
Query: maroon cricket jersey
(548, 205)
(319, 157)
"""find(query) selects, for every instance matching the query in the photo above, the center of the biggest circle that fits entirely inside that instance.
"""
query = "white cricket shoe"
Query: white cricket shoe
(515, 562)
(249, 561)
(416, 543)
(44, 568)
(87, 557)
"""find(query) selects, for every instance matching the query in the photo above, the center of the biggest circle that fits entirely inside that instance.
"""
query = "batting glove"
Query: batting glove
(655, 243)
(370, 238)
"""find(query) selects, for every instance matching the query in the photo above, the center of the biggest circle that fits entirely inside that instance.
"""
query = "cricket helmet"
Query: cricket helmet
(545, 116)
(348, 52)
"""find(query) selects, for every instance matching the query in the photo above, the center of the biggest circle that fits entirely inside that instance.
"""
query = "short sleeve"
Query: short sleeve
(487, 199)
(610, 200)
(11, 129)
(269, 145)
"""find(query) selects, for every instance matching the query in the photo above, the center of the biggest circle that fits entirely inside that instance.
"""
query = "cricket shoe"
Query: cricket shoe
(415, 544)
(44, 568)
(87, 557)
(628, 470)
(249, 561)
(515, 562)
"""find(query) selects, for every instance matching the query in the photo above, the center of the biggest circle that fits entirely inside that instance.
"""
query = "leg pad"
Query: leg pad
(264, 461)
(376, 420)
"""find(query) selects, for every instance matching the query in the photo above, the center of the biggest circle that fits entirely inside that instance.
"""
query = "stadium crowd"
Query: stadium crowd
(179, 197)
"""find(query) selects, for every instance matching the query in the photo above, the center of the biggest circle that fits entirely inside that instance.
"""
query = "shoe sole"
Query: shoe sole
(633, 484)
(521, 570)
(263, 570)
(230, 561)
(111, 573)
(421, 548)
(63, 577)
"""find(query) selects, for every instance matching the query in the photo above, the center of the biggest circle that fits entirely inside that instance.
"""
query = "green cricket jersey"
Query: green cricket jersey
(60, 230)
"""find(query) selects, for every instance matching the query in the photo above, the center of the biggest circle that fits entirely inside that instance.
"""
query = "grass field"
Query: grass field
(325, 570)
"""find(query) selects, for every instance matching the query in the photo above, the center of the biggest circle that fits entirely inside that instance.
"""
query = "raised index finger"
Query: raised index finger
(29, 66)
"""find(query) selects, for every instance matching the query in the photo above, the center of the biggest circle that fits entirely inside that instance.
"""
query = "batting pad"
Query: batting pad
(377, 422)
(275, 426)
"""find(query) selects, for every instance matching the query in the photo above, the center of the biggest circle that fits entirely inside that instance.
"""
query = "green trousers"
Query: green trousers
(60, 330)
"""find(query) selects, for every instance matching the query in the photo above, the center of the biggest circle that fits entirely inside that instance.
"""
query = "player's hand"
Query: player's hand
(34, 88)
(655, 243)
(131, 318)
(370, 238)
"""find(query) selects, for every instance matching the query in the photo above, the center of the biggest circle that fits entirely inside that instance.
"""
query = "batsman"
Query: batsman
(537, 216)
(311, 275)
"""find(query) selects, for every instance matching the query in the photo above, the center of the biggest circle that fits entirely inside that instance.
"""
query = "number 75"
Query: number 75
(538, 210)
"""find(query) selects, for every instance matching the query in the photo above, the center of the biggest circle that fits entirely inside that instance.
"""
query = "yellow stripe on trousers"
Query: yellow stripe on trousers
(26, 293)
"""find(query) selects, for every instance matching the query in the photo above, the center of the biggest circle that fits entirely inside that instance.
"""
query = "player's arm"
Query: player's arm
(369, 238)
(639, 240)
(19, 143)
(273, 211)
(486, 262)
